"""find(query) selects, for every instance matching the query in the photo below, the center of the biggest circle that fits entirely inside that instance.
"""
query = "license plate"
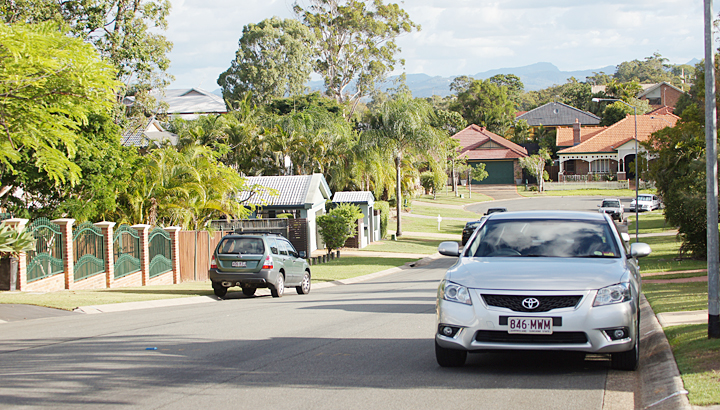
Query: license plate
(538, 325)
(239, 264)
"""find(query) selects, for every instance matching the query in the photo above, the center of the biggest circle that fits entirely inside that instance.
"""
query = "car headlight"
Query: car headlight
(613, 294)
(454, 293)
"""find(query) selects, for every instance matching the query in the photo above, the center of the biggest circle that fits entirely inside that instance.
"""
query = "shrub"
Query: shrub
(384, 209)
(338, 225)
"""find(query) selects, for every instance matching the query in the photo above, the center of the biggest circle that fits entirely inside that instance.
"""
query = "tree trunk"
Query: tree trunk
(398, 196)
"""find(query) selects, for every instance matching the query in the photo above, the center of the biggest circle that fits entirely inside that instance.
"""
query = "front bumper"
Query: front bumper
(260, 279)
(581, 328)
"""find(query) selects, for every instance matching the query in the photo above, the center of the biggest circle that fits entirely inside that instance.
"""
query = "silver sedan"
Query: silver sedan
(541, 280)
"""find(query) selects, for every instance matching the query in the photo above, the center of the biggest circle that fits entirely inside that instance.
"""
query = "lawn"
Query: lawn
(407, 244)
(353, 266)
(429, 225)
(698, 359)
(429, 210)
(650, 222)
(676, 297)
(449, 198)
(665, 250)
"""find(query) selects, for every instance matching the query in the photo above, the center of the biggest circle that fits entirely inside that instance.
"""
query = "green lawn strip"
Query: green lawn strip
(407, 244)
(353, 266)
(411, 224)
(451, 199)
(698, 359)
(70, 299)
(605, 193)
(650, 222)
(676, 297)
(676, 276)
(429, 210)
(662, 259)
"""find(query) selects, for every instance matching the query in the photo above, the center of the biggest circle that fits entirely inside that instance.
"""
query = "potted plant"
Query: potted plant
(13, 242)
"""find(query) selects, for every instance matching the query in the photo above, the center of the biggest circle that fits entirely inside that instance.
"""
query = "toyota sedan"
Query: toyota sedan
(541, 280)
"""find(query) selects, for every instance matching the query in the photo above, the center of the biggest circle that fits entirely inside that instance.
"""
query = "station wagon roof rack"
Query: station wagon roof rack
(251, 232)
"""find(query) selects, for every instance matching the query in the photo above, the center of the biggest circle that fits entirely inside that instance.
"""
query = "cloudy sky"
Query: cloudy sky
(464, 36)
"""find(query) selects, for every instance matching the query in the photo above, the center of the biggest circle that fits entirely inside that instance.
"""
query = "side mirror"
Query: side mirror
(449, 248)
(639, 250)
(302, 254)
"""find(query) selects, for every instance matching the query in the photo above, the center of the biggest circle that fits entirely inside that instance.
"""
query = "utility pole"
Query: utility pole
(712, 178)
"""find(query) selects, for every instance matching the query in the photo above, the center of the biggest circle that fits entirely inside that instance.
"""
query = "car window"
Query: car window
(290, 248)
(241, 246)
(544, 238)
(282, 248)
(272, 243)
(611, 204)
(644, 197)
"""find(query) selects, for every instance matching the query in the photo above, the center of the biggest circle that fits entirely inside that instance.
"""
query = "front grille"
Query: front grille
(547, 303)
(499, 336)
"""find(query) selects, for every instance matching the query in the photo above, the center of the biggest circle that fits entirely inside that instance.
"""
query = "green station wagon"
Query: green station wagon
(258, 260)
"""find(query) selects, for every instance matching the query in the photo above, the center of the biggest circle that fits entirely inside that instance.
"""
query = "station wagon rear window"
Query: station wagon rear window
(241, 246)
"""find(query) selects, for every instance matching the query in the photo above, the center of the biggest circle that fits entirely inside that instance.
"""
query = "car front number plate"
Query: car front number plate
(239, 264)
(539, 325)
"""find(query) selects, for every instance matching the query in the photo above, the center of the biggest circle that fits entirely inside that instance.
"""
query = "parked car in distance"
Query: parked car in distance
(258, 260)
(612, 207)
(648, 202)
(538, 281)
(493, 210)
(470, 228)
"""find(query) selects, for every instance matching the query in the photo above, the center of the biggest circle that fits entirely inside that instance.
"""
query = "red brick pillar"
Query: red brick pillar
(21, 279)
(144, 252)
(68, 252)
(174, 232)
(108, 232)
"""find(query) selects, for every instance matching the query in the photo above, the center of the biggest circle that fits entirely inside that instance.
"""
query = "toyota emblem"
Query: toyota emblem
(530, 303)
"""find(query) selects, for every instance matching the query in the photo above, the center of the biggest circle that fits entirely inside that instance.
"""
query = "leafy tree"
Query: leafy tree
(124, 32)
(476, 172)
(598, 78)
(535, 164)
(355, 43)
(653, 70)
(511, 82)
(273, 60)
(340, 224)
(618, 111)
(402, 127)
(49, 85)
(486, 104)
(461, 84)
(521, 132)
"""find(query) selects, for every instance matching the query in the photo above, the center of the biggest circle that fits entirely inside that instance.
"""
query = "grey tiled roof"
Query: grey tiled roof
(354, 197)
(557, 114)
(301, 191)
(191, 101)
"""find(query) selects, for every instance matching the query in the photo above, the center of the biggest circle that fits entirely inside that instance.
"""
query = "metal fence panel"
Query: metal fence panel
(126, 248)
(160, 252)
(46, 260)
(89, 251)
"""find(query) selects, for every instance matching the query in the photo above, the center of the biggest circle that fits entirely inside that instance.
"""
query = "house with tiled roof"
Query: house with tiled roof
(302, 196)
(189, 104)
(609, 150)
(152, 133)
(661, 95)
(369, 225)
(500, 156)
(555, 114)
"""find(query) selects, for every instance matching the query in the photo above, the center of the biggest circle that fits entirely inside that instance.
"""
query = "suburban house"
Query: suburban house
(661, 95)
(151, 133)
(190, 104)
(607, 150)
(500, 156)
(303, 197)
(555, 114)
(369, 226)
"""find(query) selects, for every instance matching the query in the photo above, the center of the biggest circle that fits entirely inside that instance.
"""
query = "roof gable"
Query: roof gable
(556, 114)
(654, 87)
(473, 138)
(300, 191)
(192, 101)
(354, 197)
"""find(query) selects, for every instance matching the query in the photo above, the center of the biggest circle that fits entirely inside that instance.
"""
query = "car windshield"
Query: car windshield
(241, 246)
(644, 198)
(611, 204)
(560, 238)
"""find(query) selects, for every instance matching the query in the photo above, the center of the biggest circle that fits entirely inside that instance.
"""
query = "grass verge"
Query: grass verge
(650, 222)
(676, 297)
(698, 360)
(405, 244)
(343, 268)
(609, 193)
(429, 225)
(449, 198)
(429, 210)
(665, 250)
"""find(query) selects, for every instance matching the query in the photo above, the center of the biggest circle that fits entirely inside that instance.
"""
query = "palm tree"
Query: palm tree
(402, 127)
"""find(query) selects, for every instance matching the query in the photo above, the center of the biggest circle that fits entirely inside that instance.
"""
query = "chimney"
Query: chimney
(576, 132)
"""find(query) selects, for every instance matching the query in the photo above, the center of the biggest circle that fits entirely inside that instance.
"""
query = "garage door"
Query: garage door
(499, 172)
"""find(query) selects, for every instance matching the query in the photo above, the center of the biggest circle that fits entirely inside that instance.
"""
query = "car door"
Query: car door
(293, 263)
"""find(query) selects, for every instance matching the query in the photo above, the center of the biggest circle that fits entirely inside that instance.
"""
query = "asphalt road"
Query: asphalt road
(363, 346)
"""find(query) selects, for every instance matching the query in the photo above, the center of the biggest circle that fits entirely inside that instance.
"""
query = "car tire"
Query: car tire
(279, 288)
(248, 291)
(449, 357)
(628, 360)
(219, 289)
(304, 287)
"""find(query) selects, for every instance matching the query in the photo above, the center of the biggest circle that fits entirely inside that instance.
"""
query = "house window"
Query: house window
(600, 166)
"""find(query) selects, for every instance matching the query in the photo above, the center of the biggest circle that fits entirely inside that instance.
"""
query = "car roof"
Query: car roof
(569, 215)
(611, 199)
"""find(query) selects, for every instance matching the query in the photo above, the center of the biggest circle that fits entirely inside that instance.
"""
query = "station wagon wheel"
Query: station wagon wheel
(279, 288)
(219, 289)
(449, 357)
(304, 287)
(248, 291)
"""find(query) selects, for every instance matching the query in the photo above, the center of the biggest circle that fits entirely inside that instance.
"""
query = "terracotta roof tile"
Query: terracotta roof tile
(564, 136)
(475, 136)
(621, 132)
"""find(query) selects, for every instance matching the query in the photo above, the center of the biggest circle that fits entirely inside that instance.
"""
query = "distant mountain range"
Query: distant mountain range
(534, 76)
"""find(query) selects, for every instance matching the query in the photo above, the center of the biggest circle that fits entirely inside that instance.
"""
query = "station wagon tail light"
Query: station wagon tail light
(213, 263)
(268, 264)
